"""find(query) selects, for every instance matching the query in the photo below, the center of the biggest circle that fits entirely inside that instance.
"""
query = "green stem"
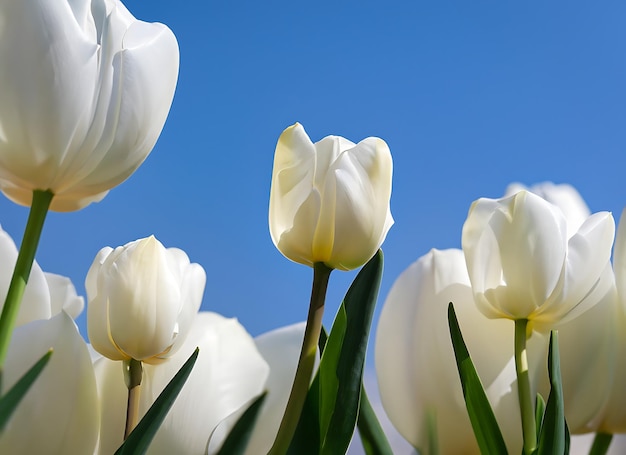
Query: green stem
(601, 444)
(133, 373)
(523, 388)
(25, 258)
(302, 380)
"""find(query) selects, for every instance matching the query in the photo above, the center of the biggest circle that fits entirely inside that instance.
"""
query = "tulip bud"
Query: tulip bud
(523, 265)
(142, 299)
(329, 201)
(84, 97)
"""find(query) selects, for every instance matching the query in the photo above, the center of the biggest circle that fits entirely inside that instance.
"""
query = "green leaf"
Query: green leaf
(554, 434)
(10, 400)
(341, 366)
(372, 435)
(237, 440)
(540, 407)
(601, 444)
(140, 438)
(306, 439)
(484, 423)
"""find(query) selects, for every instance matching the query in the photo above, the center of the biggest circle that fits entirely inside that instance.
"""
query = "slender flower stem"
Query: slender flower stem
(601, 444)
(523, 387)
(25, 258)
(133, 373)
(300, 388)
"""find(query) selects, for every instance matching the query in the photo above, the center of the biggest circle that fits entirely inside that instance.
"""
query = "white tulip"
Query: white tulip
(142, 299)
(329, 201)
(415, 364)
(228, 374)
(85, 89)
(523, 265)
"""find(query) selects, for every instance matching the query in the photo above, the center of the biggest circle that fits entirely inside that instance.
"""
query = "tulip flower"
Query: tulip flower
(228, 374)
(85, 89)
(329, 201)
(415, 364)
(522, 264)
(142, 299)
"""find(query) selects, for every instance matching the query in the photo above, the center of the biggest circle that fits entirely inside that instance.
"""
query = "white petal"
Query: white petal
(63, 295)
(294, 206)
(589, 250)
(48, 77)
(564, 196)
(36, 301)
(355, 215)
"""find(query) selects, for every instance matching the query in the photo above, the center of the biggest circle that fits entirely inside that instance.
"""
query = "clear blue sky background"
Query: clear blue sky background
(470, 96)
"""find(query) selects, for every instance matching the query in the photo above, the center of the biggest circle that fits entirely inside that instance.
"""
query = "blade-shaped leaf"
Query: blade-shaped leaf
(238, 438)
(140, 438)
(341, 366)
(11, 399)
(484, 423)
(372, 435)
(540, 407)
(306, 439)
(553, 436)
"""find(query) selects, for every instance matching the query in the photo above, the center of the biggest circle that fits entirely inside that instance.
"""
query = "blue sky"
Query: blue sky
(470, 96)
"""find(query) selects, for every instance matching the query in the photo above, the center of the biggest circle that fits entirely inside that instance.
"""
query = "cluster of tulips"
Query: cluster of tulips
(468, 358)
(531, 262)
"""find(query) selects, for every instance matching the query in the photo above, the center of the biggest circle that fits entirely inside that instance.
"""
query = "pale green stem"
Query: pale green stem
(523, 388)
(433, 437)
(133, 373)
(601, 444)
(300, 388)
(25, 258)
